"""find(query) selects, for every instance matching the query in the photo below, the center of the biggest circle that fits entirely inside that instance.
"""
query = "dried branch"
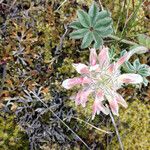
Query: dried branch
(61, 5)
(59, 48)
(3, 78)
(108, 132)
(101, 5)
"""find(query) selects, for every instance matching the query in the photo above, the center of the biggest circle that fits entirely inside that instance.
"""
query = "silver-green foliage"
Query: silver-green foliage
(144, 40)
(92, 26)
(137, 67)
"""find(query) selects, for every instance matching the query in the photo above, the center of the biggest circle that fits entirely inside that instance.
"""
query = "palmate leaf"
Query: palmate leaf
(93, 11)
(84, 18)
(144, 72)
(102, 14)
(76, 25)
(98, 40)
(87, 40)
(136, 64)
(103, 23)
(92, 26)
(78, 34)
(107, 31)
(128, 67)
(138, 68)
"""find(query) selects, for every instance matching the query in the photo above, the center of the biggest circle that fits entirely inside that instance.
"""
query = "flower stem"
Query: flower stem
(117, 132)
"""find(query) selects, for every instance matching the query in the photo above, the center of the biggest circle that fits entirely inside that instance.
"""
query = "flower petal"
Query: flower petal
(114, 107)
(121, 100)
(94, 68)
(113, 103)
(86, 80)
(84, 96)
(78, 98)
(123, 59)
(111, 68)
(98, 106)
(130, 78)
(81, 68)
(99, 95)
(103, 57)
(69, 83)
(126, 57)
(93, 57)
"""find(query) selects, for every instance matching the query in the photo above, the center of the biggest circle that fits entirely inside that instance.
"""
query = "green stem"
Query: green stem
(122, 40)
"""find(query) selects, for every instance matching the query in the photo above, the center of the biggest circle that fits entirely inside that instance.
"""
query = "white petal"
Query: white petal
(130, 78)
(103, 57)
(84, 96)
(123, 59)
(93, 57)
(113, 103)
(114, 107)
(94, 68)
(69, 83)
(121, 100)
(65, 84)
(81, 68)
(99, 95)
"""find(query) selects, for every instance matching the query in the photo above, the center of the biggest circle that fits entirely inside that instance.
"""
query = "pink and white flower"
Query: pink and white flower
(101, 79)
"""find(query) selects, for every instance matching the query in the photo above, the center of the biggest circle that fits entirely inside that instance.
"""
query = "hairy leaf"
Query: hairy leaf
(76, 25)
(103, 22)
(78, 34)
(93, 11)
(84, 18)
(136, 64)
(144, 40)
(128, 67)
(106, 32)
(103, 14)
(87, 40)
(98, 40)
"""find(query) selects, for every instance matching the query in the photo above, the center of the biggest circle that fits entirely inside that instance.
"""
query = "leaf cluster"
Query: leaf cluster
(137, 67)
(92, 26)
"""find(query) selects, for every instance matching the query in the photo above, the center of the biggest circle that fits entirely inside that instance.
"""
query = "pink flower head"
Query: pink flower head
(101, 79)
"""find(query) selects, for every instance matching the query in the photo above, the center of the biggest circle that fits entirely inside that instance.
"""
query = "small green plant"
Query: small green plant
(144, 40)
(92, 26)
(137, 67)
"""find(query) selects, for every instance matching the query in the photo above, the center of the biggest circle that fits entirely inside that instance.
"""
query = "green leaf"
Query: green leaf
(93, 11)
(76, 25)
(144, 72)
(78, 34)
(87, 40)
(84, 18)
(101, 15)
(136, 64)
(145, 81)
(128, 67)
(98, 40)
(106, 32)
(123, 52)
(103, 22)
(144, 40)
